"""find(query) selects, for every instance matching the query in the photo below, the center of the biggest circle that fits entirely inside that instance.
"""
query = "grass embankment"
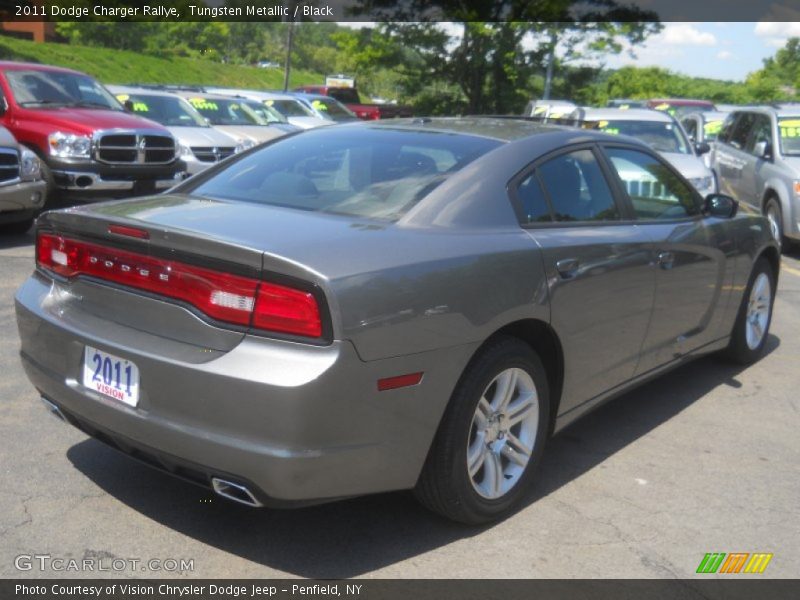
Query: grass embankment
(123, 67)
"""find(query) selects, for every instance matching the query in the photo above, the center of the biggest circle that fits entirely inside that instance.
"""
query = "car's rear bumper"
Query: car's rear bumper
(297, 423)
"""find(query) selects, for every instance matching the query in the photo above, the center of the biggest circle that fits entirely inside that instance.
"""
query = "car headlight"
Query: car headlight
(183, 151)
(29, 166)
(702, 184)
(67, 145)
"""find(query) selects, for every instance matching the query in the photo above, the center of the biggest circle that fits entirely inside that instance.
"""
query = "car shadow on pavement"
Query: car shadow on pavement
(354, 537)
(16, 240)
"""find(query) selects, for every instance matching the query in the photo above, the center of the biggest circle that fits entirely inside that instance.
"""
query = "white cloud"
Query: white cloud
(724, 55)
(774, 29)
(685, 34)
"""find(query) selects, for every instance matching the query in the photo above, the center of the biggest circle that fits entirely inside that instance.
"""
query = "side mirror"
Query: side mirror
(128, 105)
(3, 106)
(763, 150)
(702, 148)
(720, 206)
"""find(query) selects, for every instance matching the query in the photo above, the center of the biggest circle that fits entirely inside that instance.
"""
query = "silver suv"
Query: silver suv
(756, 159)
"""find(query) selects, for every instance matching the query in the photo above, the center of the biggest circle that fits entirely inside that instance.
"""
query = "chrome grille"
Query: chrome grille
(9, 165)
(212, 154)
(134, 147)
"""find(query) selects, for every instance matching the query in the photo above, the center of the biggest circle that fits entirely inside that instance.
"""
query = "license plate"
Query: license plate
(111, 376)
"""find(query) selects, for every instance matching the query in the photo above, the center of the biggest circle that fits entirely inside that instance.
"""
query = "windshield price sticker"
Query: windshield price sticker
(203, 104)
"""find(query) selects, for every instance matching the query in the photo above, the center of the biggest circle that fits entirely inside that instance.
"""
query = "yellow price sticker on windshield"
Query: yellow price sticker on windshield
(712, 127)
(123, 97)
(790, 132)
(662, 106)
(140, 107)
(319, 105)
(203, 104)
(269, 102)
(789, 122)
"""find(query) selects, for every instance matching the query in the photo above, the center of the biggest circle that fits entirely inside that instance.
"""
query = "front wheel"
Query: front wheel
(491, 437)
(772, 210)
(750, 331)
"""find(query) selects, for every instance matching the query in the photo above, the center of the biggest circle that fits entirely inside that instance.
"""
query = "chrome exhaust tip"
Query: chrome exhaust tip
(53, 409)
(234, 491)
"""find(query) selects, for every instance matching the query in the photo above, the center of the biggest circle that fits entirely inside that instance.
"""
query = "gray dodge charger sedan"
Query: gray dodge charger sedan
(383, 306)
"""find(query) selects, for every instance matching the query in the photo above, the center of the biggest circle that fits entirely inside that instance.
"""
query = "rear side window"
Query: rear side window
(568, 188)
(655, 191)
(762, 132)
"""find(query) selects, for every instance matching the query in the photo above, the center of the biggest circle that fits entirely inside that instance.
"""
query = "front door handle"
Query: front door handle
(567, 267)
(666, 260)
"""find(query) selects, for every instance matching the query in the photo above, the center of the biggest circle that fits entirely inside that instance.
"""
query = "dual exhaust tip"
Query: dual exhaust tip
(227, 489)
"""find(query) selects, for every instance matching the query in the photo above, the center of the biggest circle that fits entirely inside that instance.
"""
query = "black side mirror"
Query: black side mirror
(720, 206)
(128, 104)
(3, 106)
(702, 148)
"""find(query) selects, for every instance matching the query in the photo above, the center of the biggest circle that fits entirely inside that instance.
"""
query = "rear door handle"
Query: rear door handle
(567, 267)
(666, 260)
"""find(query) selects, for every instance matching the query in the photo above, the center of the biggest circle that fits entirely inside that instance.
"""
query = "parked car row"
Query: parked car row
(63, 134)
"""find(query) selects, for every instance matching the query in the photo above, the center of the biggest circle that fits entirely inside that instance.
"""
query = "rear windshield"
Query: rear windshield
(224, 111)
(344, 95)
(660, 136)
(374, 173)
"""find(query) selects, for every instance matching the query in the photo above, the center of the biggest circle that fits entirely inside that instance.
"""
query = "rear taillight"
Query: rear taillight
(224, 297)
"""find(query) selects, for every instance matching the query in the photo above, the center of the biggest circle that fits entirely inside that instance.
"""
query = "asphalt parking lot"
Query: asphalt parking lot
(703, 460)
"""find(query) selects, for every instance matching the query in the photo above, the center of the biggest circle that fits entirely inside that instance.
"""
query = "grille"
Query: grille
(212, 154)
(135, 148)
(9, 165)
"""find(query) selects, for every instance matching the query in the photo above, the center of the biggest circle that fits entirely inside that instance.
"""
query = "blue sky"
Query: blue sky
(718, 50)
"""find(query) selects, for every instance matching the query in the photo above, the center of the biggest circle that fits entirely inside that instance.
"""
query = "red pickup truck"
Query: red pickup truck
(89, 145)
(349, 97)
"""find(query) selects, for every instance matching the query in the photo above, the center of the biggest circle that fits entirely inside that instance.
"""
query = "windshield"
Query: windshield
(289, 107)
(331, 109)
(789, 129)
(171, 111)
(225, 111)
(267, 113)
(59, 88)
(662, 137)
(375, 173)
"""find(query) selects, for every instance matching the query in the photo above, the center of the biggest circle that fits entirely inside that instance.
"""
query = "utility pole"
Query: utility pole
(551, 59)
(287, 65)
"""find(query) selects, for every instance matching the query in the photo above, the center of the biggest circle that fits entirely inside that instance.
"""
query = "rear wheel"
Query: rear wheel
(491, 437)
(750, 331)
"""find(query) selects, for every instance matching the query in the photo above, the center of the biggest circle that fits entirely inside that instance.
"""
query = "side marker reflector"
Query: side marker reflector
(392, 383)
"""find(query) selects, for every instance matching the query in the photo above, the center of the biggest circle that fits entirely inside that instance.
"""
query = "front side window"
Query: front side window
(655, 191)
(741, 131)
(41, 89)
(690, 125)
(574, 190)
(289, 107)
(762, 132)
(372, 173)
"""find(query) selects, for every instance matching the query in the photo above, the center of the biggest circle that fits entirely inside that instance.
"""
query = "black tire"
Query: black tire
(51, 191)
(773, 205)
(17, 228)
(738, 350)
(445, 485)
